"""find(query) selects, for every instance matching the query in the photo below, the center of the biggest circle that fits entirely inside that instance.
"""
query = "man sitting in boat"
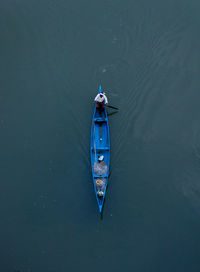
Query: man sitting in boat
(100, 167)
(101, 100)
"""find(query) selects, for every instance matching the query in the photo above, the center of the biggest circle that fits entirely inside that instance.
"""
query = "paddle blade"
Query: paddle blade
(115, 108)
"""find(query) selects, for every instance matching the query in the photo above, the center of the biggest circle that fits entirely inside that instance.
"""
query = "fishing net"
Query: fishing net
(100, 168)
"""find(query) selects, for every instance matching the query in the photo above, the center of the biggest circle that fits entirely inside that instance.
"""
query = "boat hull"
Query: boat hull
(100, 145)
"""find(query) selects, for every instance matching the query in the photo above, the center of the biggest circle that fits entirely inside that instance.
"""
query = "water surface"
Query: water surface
(54, 54)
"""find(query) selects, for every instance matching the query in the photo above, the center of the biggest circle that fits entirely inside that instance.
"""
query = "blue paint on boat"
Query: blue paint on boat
(100, 145)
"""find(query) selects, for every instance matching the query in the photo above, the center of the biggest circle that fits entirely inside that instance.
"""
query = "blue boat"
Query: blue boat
(100, 153)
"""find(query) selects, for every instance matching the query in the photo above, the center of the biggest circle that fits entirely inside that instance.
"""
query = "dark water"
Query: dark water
(53, 55)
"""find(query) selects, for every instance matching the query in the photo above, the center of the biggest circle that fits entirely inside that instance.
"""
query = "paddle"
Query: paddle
(112, 107)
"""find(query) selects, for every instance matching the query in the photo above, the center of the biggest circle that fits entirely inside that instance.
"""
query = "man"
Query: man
(101, 100)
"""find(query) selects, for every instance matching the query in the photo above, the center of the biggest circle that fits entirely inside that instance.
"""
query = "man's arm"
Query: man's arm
(96, 98)
(106, 99)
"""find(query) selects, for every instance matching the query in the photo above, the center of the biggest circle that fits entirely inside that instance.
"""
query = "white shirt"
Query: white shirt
(101, 99)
